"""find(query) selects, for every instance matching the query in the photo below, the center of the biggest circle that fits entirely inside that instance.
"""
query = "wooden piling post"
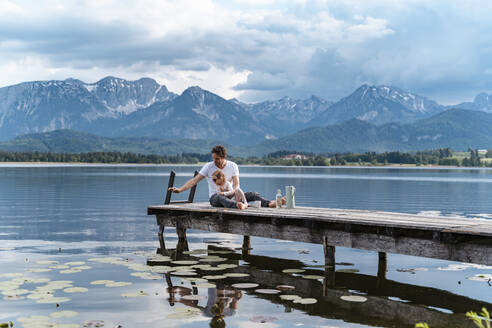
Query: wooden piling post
(182, 241)
(329, 253)
(382, 265)
(246, 246)
(160, 234)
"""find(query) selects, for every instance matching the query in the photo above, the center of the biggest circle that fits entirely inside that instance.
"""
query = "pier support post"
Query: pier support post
(160, 234)
(382, 265)
(246, 246)
(329, 251)
(182, 241)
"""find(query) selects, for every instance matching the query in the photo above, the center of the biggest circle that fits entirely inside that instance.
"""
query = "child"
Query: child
(225, 188)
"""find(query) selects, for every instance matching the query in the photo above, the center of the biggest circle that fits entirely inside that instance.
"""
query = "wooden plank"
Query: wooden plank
(459, 239)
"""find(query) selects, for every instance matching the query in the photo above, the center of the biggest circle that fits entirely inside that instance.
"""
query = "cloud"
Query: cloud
(263, 81)
(254, 49)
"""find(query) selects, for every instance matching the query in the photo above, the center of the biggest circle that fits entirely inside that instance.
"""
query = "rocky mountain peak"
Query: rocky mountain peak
(483, 100)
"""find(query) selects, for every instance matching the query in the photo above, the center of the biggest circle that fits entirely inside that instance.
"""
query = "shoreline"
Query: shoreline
(26, 164)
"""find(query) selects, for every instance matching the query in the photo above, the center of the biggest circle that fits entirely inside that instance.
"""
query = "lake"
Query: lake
(69, 226)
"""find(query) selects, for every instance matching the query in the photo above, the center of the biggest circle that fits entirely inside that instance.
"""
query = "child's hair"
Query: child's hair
(218, 175)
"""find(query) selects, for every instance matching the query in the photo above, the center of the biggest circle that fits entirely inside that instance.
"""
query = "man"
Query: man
(231, 171)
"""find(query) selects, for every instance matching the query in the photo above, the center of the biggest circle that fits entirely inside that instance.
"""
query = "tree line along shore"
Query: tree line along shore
(435, 157)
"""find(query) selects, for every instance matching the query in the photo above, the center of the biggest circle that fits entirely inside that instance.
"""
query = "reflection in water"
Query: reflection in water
(388, 303)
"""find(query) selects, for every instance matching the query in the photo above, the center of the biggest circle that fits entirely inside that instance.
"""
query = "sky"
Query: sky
(255, 50)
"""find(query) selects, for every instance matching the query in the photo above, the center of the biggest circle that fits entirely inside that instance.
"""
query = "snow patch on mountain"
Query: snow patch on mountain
(206, 111)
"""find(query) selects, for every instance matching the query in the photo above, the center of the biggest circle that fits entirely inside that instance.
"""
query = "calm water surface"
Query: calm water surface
(86, 214)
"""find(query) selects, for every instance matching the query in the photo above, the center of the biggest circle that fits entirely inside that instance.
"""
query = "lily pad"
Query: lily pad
(94, 323)
(206, 285)
(196, 252)
(236, 275)
(293, 270)
(13, 297)
(76, 290)
(245, 285)
(227, 266)
(11, 275)
(63, 314)
(201, 266)
(285, 287)
(305, 301)
(183, 262)
(312, 276)
(158, 259)
(47, 262)
(194, 279)
(137, 294)
(37, 296)
(118, 284)
(212, 259)
(70, 271)
(453, 267)
(15, 292)
(137, 267)
(267, 291)
(353, 298)
(481, 277)
(53, 300)
(39, 270)
(59, 266)
(184, 268)
(214, 277)
(290, 297)
(34, 320)
(211, 268)
(106, 259)
(348, 270)
(101, 282)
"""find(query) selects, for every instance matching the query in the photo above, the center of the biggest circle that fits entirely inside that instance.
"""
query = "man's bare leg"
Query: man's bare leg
(241, 206)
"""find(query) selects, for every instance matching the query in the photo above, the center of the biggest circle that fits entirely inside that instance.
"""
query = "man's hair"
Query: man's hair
(219, 150)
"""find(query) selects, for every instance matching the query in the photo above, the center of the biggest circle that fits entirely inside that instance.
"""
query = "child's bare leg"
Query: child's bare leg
(240, 197)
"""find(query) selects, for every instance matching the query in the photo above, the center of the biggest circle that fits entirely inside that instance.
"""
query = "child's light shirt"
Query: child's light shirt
(226, 188)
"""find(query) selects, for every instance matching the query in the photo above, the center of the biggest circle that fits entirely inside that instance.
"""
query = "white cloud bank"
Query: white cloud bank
(254, 50)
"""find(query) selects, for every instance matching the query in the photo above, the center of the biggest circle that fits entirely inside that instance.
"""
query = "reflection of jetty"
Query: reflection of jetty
(456, 239)
(415, 302)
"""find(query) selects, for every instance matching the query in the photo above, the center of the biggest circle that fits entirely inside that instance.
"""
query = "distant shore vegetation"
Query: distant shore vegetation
(436, 157)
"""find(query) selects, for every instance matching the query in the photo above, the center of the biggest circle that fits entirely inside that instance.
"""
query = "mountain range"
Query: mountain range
(143, 111)
(454, 128)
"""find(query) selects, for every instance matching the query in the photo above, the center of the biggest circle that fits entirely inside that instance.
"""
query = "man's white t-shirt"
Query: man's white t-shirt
(230, 170)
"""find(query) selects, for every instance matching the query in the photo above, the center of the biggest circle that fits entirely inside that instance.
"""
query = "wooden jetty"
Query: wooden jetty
(447, 238)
